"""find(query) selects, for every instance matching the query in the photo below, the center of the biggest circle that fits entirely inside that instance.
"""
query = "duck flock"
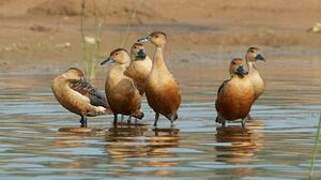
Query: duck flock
(133, 74)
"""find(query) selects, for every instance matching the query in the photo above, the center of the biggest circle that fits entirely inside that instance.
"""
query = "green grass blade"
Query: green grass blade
(315, 150)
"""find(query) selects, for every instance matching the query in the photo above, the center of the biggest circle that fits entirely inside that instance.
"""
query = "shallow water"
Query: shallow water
(277, 144)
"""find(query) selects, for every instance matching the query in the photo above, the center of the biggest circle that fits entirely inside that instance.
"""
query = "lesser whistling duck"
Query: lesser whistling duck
(139, 67)
(236, 95)
(251, 57)
(162, 91)
(78, 96)
(121, 92)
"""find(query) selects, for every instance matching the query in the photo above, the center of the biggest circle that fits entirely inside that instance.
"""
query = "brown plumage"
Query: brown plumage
(139, 67)
(236, 95)
(78, 96)
(121, 92)
(252, 55)
(162, 91)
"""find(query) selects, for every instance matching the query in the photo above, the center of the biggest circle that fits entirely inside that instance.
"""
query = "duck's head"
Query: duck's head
(158, 38)
(237, 68)
(137, 52)
(119, 56)
(74, 74)
(253, 54)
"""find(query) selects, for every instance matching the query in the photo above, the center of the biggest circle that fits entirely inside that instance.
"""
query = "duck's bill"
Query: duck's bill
(143, 40)
(141, 55)
(108, 60)
(259, 57)
(241, 71)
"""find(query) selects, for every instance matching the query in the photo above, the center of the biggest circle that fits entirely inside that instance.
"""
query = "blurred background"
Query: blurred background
(50, 35)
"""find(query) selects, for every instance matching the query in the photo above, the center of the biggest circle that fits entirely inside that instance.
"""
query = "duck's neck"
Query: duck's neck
(124, 66)
(67, 84)
(62, 81)
(132, 58)
(237, 77)
(251, 66)
(116, 74)
(158, 60)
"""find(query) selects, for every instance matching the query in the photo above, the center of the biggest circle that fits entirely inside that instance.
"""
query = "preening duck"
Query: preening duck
(236, 95)
(78, 96)
(162, 91)
(121, 92)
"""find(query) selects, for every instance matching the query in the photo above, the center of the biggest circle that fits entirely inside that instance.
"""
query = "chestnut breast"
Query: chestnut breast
(163, 93)
(122, 95)
(139, 71)
(235, 99)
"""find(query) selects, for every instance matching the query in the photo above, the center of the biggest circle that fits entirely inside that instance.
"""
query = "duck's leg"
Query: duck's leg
(129, 119)
(172, 124)
(243, 122)
(221, 121)
(224, 123)
(83, 121)
(156, 118)
(173, 118)
(122, 118)
(115, 119)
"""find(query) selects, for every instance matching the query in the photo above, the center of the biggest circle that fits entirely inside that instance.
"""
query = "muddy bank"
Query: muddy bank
(44, 35)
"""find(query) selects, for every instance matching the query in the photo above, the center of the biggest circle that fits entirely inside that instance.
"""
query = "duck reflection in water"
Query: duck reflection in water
(71, 144)
(239, 145)
(152, 146)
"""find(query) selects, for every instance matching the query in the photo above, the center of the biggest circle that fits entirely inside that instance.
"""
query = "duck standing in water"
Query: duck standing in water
(251, 57)
(139, 67)
(236, 95)
(121, 92)
(162, 91)
(77, 95)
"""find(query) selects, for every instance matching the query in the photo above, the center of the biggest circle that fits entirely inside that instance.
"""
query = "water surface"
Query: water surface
(277, 144)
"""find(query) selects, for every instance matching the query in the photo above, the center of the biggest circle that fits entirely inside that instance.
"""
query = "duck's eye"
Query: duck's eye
(233, 63)
(116, 54)
(156, 36)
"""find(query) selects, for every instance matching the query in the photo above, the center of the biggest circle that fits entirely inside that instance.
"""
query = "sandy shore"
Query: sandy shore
(36, 34)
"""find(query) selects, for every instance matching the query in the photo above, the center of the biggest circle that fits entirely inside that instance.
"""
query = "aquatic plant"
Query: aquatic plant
(315, 149)
(131, 18)
(91, 46)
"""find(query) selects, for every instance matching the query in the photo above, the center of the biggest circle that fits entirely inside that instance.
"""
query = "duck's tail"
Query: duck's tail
(98, 110)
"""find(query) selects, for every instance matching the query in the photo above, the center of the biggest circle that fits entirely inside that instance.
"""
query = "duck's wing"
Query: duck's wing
(220, 90)
(221, 87)
(96, 97)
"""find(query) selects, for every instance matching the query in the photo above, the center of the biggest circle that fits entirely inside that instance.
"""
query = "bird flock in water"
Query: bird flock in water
(133, 74)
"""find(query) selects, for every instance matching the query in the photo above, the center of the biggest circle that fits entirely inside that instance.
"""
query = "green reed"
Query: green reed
(91, 46)
(131, 18)
(315, 149)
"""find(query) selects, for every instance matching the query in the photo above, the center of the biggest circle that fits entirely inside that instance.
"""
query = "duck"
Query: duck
(236, 95)
(121, 91)
(162, 90)
(140, 66)
(252, 55)
(77, 95)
